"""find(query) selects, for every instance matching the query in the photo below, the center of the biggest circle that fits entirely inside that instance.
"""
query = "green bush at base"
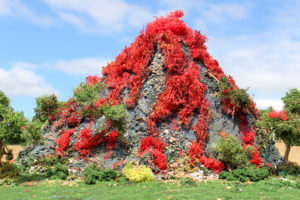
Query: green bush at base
(251, 173)
(58, 172)
(93, 173)
(9, 170)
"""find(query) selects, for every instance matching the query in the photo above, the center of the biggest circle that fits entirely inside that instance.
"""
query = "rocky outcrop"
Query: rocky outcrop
(169, 87)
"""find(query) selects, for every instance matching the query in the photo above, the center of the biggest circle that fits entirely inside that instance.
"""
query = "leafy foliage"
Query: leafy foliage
(237, 98)
(31, 133)
(292, 101)
(93, 173)
(11, 124)
(230, 151)
(4, 101)
(88, 93)
(136, 173)
(115, 112)
(50, 160)
(46, 106)
(115, 116)
(11, 127)
(285, 125)
(251, 173)
(45, 110)
(58, 171)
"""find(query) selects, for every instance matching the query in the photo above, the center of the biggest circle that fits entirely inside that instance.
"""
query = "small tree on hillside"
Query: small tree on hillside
(11, 124)
(285, 124)
(46, 106)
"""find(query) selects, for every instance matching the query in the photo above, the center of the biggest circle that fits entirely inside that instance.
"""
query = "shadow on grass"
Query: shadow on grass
(22, 178)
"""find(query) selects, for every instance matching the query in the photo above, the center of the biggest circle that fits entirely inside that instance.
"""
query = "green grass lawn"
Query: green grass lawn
(272, 189)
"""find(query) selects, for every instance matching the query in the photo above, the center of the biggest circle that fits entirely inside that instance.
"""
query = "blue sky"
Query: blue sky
(50, 46)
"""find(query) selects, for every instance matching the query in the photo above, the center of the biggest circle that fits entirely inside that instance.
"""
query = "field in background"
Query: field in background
(16, 149)
(294, 154)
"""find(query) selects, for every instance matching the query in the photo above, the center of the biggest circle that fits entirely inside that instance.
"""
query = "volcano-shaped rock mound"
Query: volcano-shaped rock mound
(163, 97)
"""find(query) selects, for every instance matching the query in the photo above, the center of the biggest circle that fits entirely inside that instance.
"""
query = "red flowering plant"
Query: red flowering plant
(73, 121)
(63, 142)
(66, 115)
(86, 141)
(110, 141)
(155, 147)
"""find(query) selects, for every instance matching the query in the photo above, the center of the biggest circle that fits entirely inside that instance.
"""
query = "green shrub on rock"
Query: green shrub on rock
(49, 160)
(230, 151)
(237, 96)
(87, 94)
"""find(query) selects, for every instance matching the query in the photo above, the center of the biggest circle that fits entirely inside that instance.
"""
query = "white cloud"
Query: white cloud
(218, 13)
(24, 65)
(100, 16)
(139, 17)
(74, 20)
(267, 65)
(12, 7)
(205, 13)
(43, 20)
(83, 66)
(22, 81)
(268, 62)
(185, 6)
(18, 9)
(4, 7)
(265, 103)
